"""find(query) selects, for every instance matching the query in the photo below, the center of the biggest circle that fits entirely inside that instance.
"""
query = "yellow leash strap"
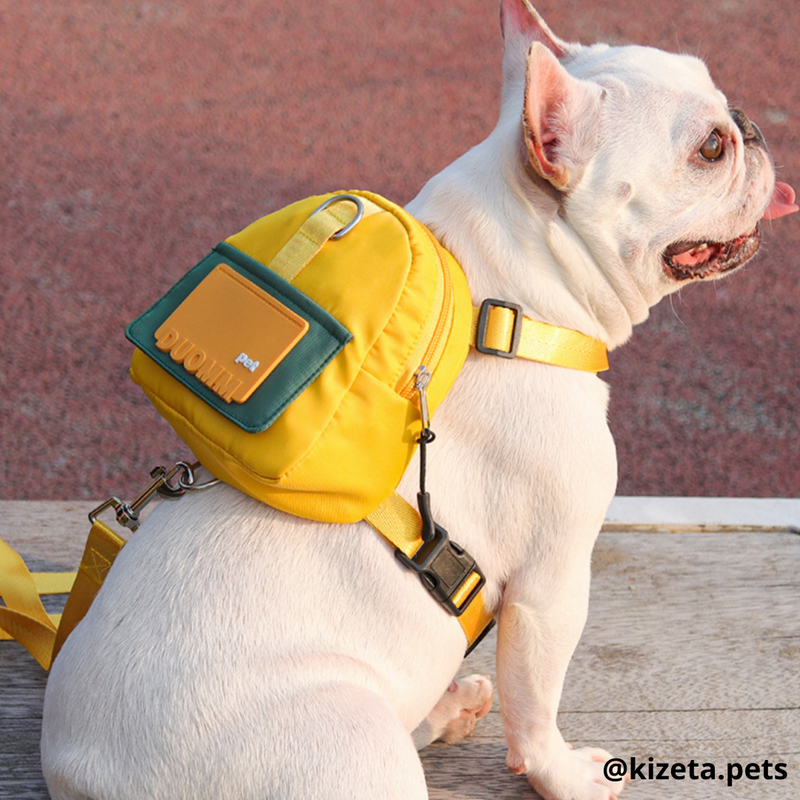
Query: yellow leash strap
(500, 328)
(53, 583)
(401, 525)
(23, 617)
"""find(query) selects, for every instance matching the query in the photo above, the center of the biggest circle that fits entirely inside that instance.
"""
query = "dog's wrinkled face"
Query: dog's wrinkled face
(706, 258)
(656, 174)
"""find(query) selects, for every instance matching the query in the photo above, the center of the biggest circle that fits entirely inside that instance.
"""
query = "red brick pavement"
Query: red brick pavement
(135, 135)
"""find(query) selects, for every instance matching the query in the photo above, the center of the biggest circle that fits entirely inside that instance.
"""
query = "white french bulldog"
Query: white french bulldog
(238, 653)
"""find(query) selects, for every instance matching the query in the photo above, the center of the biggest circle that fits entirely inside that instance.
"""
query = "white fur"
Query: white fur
(238, 653)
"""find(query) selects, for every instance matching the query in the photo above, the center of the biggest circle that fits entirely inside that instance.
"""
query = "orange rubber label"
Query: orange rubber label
(230, 334)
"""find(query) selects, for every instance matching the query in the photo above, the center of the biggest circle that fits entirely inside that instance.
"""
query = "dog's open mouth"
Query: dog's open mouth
(698, 260)
(706, 259)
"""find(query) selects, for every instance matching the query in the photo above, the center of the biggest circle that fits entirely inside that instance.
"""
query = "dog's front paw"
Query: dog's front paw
(570, 775)
(466, 701)
(455, 715)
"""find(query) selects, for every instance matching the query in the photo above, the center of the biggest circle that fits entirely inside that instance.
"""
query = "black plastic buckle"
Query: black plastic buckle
(443, 567)
(483, 321)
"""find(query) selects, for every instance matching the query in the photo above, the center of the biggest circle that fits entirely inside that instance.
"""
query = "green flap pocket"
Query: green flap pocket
(240, 337)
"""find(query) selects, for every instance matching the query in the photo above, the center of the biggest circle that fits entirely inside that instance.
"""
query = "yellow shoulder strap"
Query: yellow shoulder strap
(401, 525)
(501, 329)
(498, 327)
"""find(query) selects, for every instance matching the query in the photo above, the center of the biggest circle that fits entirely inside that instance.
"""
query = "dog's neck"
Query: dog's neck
(505, 229)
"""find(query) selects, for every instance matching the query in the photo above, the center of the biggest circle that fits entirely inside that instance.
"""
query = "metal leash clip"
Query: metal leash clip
(170, 484)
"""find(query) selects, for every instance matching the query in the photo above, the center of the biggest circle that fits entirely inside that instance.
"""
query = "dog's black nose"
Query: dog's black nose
(750, 132)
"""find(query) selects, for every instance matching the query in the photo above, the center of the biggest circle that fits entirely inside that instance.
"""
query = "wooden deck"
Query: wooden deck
(691, 653)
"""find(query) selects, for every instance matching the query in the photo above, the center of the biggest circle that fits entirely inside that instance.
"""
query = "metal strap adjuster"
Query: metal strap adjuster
(444, 567)
(483, 322)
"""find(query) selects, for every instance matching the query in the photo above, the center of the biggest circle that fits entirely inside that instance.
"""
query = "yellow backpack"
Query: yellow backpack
(286, 359)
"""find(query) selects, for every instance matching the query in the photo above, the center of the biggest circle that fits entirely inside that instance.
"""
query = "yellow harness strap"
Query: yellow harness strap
(501, 329)
(102, 547)
(498, 327)
(401, 525)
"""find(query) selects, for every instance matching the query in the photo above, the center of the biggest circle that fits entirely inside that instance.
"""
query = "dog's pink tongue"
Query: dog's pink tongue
(782, 202)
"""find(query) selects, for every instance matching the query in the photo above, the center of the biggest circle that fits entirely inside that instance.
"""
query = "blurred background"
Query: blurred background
(136, 135)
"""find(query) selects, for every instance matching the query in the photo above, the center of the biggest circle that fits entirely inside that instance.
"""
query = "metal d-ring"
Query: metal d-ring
(350, 225)
(187, 480)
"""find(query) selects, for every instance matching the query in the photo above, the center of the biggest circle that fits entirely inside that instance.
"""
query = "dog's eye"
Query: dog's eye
(712, 148)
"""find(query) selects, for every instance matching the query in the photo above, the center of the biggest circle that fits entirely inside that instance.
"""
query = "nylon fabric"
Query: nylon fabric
(312, 236)
(542, 342)
(401, 525)
(23, 618)
(102, 547)
(53, 582)
(343, 443)
(398, 522)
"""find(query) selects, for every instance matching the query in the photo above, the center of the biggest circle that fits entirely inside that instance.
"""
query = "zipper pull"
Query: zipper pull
(422, 377)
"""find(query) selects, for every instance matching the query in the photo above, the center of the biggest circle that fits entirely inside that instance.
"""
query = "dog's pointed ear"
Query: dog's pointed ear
(560, 119)
(519, 20)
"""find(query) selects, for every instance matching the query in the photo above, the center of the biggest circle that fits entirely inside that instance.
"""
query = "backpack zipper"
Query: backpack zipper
(433, 352)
